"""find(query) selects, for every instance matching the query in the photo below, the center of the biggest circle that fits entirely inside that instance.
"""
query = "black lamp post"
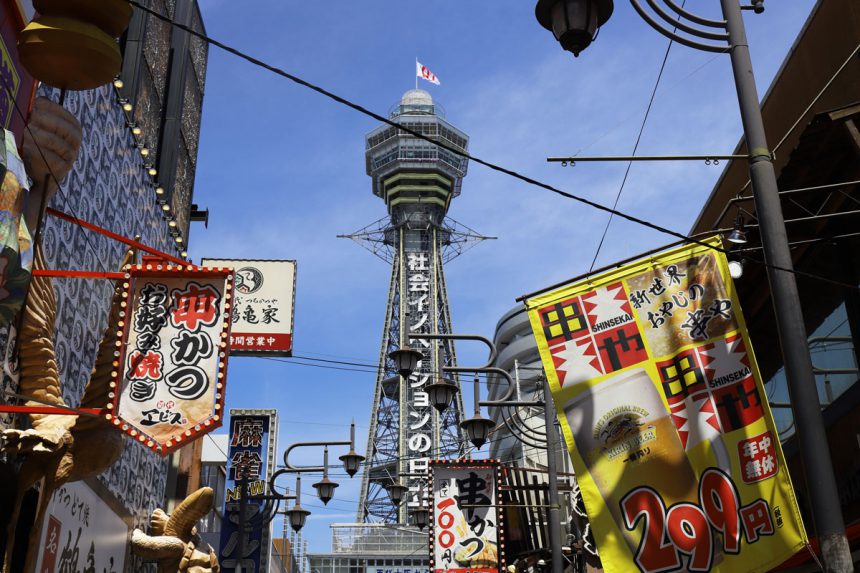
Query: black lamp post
(574, 23)
(728, 35)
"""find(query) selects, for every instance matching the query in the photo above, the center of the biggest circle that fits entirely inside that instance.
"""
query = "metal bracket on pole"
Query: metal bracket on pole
(487, 368)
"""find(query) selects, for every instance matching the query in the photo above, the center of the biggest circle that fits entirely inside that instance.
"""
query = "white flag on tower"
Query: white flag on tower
(423, 72)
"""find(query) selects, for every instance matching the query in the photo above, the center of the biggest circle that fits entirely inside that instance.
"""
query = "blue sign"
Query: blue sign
(252, 441)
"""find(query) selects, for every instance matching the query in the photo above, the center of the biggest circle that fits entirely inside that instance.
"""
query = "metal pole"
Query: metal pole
(243, 485)
(811, 436)
(551, 448)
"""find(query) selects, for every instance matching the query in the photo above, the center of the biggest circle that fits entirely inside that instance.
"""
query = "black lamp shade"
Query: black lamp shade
(478, 430)
(406, 360)
(441, 393)
(420, 517)
(351, 462)
(396, 491)
(574, 23)
(298, 516)
(325, 489)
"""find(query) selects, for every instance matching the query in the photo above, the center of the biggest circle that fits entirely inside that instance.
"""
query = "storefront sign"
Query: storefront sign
(262, 317)
(466, 534)
(172, 366)
(252, 444)
(666, 419)
(81, 533)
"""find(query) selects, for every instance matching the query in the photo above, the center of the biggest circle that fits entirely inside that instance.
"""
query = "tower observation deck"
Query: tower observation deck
(417, 180)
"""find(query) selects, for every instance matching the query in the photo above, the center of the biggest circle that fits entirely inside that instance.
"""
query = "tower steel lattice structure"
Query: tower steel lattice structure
(417, 180)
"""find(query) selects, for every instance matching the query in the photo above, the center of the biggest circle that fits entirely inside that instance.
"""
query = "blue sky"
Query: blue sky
(282, 168)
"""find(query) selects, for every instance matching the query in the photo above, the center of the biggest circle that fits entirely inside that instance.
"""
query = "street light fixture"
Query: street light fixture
(352, 459)
(478, 429)
(574, 23)
(738, 236)
(298, 515)
(441, 394)
(396, 491)
(729, 36)
(405, 360)
(325, 487)
(420, 517)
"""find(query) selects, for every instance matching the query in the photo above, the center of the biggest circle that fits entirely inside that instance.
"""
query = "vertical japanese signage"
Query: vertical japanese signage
(17, 87)
(666, 419)
(252, 439)
(466, 534)
(262, 315)
(417, 416)
(168, 386)
(81, 533)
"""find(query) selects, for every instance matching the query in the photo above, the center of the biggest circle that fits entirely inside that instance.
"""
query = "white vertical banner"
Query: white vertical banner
(467, 534)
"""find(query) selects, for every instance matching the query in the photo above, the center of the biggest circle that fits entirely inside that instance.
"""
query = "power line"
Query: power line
(635, 148)
(459, 152)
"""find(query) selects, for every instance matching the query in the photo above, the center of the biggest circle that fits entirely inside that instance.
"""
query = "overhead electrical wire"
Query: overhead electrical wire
(495, 167)
(635, 147)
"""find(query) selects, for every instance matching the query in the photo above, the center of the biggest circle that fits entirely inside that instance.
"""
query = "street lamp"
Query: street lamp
(352, 459)
(729, 36)
(298, 515)
(396, 491)
(420, 517)
(405, 360)
(574, 23)
(477, 427)
(441, 394)
(325, 487)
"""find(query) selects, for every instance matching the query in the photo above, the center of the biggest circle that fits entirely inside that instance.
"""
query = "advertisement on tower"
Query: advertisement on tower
(665, 416)
(420, 290)
(264, 305)
(253, 439)
(172, 364)
(466, 534)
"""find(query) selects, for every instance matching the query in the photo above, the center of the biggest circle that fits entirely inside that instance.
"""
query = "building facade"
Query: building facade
(134, 176)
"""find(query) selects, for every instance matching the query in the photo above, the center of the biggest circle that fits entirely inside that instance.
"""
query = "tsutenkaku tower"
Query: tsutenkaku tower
(417, 180)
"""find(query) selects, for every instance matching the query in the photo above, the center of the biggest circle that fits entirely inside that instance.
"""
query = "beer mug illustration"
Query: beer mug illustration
(626, 437)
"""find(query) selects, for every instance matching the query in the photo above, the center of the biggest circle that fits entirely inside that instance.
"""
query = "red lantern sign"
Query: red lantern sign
(171, 366)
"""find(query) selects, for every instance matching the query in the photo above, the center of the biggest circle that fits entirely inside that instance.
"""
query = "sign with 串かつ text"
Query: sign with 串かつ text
(169, 386)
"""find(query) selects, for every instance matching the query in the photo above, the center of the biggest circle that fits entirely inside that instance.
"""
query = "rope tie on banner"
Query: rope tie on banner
(814, 556)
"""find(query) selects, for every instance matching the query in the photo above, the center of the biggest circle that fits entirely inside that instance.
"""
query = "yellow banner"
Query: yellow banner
(666, 419)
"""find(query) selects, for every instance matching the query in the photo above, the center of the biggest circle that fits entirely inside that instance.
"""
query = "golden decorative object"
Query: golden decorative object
(174, 542)
(112, 16)
(57, 449)
(72, 44)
